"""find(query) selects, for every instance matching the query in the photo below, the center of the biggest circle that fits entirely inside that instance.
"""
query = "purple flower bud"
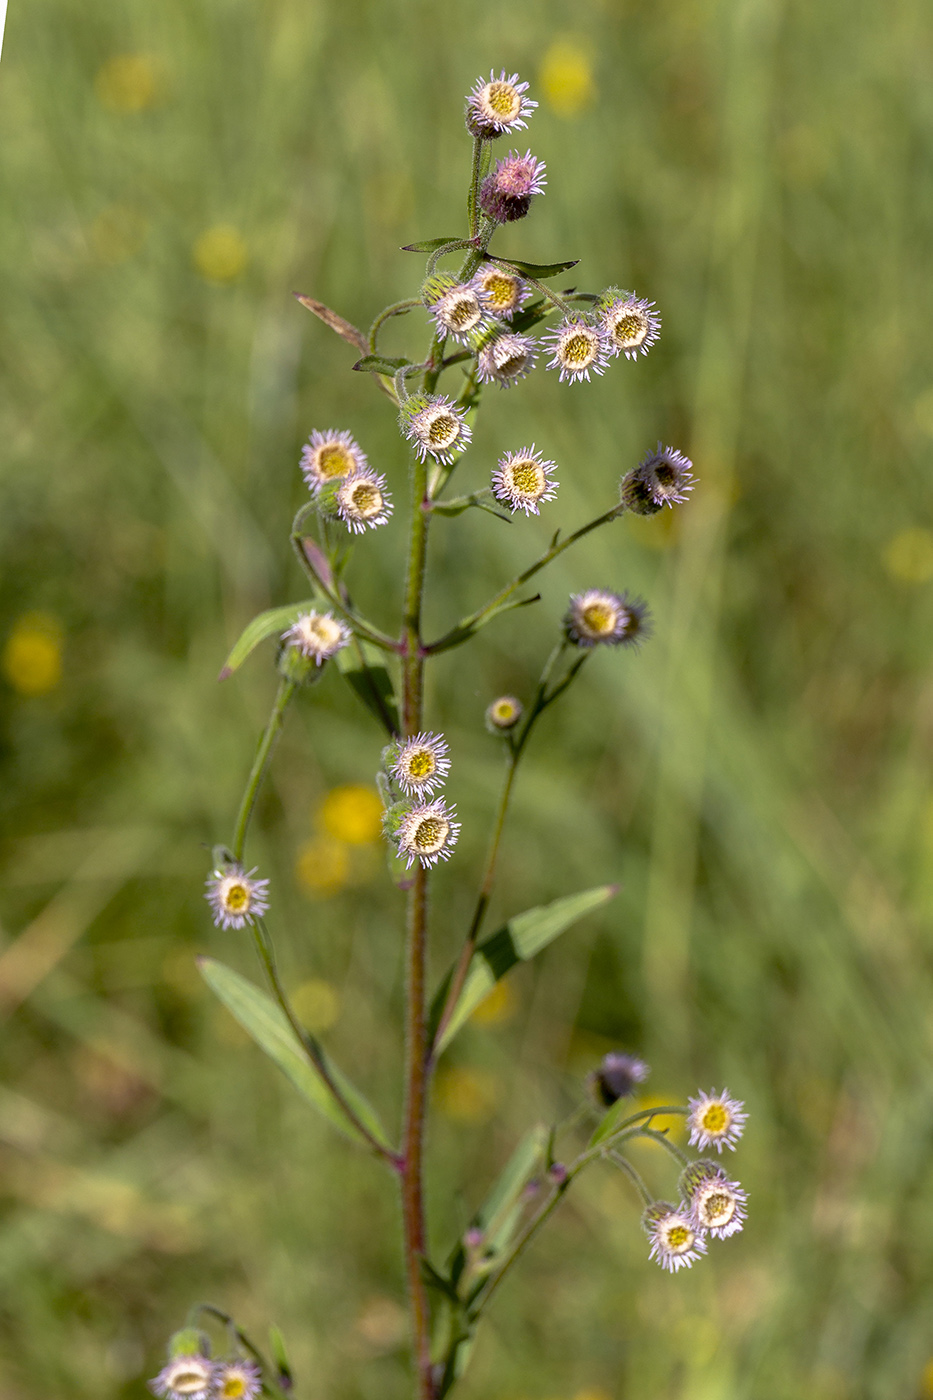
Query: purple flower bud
(506, 194)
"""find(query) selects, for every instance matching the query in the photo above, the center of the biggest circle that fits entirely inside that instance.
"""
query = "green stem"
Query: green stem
(554, 297)
(478, 617)
(633, 1176)
(524, 1240)
(398, 308)
(261, 762)
(672, 1148)
(474, 185)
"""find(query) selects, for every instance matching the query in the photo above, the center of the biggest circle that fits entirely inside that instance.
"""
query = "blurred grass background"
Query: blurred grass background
(758, 777)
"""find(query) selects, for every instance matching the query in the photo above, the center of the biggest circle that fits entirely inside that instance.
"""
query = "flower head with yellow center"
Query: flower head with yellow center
(362, 501)
(631, 324)
(420, 764)
(579, 347)
(496, 106)
(458, 308)
(329, 457)
(598, 617)
(675, 1243)
(503, 714)
(185, 1378)
(715, 1120)
(522, 480)
(317, 636)
(505, 360)
(427, 833)
(663, 478)
(436, 426)
(235, 897)
(716, 1203)
(503, 292)
(237, 1380)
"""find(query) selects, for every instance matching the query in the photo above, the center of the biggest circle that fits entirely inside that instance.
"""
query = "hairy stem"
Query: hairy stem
(261, 762)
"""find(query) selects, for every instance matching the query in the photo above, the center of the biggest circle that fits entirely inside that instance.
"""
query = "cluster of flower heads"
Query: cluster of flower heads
(711, 1202)
(191, 1375)
(342, 482)
(425, 829)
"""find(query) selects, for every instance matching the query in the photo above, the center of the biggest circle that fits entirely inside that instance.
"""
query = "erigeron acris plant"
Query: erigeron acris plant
(482, 317)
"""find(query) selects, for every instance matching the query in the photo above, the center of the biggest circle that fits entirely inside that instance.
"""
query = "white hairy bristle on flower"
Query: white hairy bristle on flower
(504, 292)
(522, 480)
(437, 426)
(318, 636)
(631, 324)
(578, 348)
(675, 1244)
(330, 457)
(716, 1203)
(496, 106)
(460, 311)
(185, 1378)
(362, 501)
(715, 1120)
(600, 617)
(505, 360)
(237, 1380)
(235, 897)
(427, 833)
(420, 764)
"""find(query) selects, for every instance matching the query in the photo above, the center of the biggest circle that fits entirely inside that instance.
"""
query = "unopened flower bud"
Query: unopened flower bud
(506, 194)
(663, 478)
(557, 1173)
(618, 1076)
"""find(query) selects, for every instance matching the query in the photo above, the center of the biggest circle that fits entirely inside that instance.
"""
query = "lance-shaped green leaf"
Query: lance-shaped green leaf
(498, 1215)
(264, 1021)
(364, 670)
(537, 270)
(517, 941)
(276, 620)
(430, 245)
(380, 364)
(469, 626)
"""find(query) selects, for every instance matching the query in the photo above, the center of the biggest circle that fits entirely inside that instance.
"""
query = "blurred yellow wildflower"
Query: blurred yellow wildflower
(497, 1007)
(908, 556)
(466, 1095)
(32, 656)
(323, 866)
(352, 814)
(117, 233)
(566, 78)
(672, 1124)
(128, 82)
(220, 254)
(317, 1004)
(926, 1382)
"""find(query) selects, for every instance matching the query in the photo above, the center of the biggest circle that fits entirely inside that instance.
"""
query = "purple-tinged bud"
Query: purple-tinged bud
(618, 1076)
(473, 1240)
(663, 478)
(557, 1173)
(506, 194)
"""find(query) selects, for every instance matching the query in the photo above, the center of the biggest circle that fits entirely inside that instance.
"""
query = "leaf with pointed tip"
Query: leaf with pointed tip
(380, 364)
(363, 668)
(344, 329)
(466, 629)
(541, 271)
(517, 941)
(265, 1022)
(267, 623)
(429, 245)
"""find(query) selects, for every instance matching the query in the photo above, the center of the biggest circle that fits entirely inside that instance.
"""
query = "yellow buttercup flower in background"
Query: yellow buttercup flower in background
(497, 1007)
(352, 813)
(317, 1004)
(32, 656)
(566, 78)
(220, 254)
(323, 866)
(909, 555)
(128, 82)
(466, 1095)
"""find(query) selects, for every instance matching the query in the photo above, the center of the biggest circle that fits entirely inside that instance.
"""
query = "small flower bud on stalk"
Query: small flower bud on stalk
(617, 1077)
(506, 194)
(503, 714)
(663, 478)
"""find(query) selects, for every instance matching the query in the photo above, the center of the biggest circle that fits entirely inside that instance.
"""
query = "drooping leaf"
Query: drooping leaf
(363, 668)
(267, 623)
(541, 271)
(348, 332)
(380, 364)
(429, 245)
(258, 1014)
(517, 941)
(467, 627)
